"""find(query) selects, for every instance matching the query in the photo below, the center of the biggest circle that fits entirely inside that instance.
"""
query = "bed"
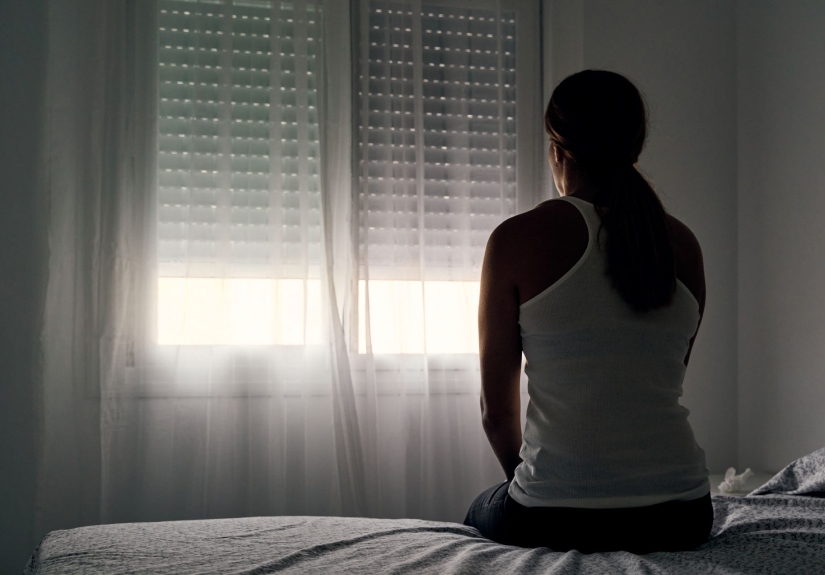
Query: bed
(778, 528)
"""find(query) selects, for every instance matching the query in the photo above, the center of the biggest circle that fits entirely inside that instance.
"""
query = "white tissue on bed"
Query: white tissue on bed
(734, 482)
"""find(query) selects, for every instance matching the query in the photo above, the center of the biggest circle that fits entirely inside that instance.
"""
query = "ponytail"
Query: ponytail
(640, 260)
(599, 120)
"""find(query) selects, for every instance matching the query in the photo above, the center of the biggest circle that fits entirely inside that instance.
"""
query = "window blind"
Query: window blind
(238, 156)
(437, 94)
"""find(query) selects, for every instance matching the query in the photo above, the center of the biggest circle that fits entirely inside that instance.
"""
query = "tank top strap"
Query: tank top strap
(590, 215)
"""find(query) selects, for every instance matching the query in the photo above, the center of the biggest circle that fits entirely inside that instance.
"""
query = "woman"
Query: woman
(603, 292)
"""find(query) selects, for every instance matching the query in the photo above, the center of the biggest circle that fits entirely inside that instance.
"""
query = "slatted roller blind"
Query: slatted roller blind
(239, 182)
(437, 137)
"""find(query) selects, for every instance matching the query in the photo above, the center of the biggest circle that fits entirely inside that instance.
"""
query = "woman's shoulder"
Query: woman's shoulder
(682, 233)
(550, 215)
(539, 246)
(686, 247)
(550, 224)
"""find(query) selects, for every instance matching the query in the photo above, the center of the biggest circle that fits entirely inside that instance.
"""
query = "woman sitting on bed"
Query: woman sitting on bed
(603, 292)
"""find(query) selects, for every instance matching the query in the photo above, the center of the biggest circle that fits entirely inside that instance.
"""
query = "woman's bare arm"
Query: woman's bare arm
(690, 268)
(500, 350)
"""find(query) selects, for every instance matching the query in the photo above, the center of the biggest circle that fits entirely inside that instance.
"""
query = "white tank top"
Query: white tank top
(604, 427)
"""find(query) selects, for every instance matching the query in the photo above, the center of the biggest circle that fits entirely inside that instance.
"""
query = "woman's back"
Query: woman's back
(603, 292)
(604, 427)
(558, 235)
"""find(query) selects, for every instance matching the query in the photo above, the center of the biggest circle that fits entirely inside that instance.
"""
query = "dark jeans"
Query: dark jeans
(669, 526)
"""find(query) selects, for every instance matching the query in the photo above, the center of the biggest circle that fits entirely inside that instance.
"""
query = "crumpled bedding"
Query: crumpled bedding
(778, 528)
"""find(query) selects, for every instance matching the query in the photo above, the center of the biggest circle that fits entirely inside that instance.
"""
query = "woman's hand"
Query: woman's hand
(500, 349)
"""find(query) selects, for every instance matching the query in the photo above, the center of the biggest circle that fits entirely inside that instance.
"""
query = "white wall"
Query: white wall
(23, 271)
(682, 55)
(781, 126)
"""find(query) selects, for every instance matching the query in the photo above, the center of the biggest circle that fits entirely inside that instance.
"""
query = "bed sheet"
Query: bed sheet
(778, 528)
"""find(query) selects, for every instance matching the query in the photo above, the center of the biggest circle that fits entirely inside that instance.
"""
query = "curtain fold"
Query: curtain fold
(436, 133)
(260, 274)
(100, 135)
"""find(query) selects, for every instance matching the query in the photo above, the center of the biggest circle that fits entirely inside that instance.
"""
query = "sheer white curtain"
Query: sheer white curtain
(437, 137)
(265, 254)
(99, 166)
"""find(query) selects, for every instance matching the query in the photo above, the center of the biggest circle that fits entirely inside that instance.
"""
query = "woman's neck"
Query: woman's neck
(578, 185)
(582, 192)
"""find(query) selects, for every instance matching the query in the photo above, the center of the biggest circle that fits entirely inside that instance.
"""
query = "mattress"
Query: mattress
(778, 528)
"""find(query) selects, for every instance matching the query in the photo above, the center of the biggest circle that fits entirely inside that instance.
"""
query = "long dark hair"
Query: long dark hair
(599, 121)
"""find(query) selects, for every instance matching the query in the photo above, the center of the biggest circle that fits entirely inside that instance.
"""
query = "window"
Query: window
(438, 135)
(238, 172)
(445, 99)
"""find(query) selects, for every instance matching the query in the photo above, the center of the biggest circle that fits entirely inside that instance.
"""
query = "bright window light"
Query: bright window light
(238, 311)
(442, 319)
(405, 316)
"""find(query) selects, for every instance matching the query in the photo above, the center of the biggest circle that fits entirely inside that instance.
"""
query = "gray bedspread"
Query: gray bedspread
(778, 528)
